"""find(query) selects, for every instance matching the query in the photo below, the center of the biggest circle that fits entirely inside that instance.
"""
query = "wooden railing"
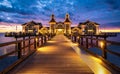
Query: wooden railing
(23, 49)
(99, 42)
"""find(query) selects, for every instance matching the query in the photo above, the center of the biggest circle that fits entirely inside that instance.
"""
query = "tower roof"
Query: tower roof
(31, 22)
(67, 19)
(52, 19)
(91, 22)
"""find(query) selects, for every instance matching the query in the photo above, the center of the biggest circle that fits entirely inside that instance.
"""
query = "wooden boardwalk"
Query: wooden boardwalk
(56, 57)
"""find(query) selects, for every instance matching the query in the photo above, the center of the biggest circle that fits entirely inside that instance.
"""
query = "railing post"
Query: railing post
(37, 40)
(72, 38)
(41, 40)
(86, 42)
(97, 41)
(19, 50)
(23, 44)
(45, 39)
(104, 54)
(29, 44)
(81, 40)
(91, 40)
(35, 44)
(75, 38)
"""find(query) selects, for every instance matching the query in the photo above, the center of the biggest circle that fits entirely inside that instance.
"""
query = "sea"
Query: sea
(3, 50)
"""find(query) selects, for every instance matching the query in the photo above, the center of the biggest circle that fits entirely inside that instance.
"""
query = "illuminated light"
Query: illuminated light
(51, 41)
(96, 59)
(36, 39)
(101, 44)
(78, 37)
(110, 30)
(101, 71)
(60, 29)
(75, 44)
(67, 23)
(47, 49)
(90, 30)
(52, 23)
(37, 33)
(30, 30)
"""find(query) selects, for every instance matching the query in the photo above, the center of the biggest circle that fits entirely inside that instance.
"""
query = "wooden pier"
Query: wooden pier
(55, 57)
(43, 55)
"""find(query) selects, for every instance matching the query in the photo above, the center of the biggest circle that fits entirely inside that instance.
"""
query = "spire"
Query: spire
(52, 16)
(67, 15)
(67, 19)
(52, 19)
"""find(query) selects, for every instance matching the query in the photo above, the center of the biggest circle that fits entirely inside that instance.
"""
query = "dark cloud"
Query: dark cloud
(113, 4)
(21, 11)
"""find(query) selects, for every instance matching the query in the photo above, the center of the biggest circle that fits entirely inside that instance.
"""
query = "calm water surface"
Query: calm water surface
(5, 39)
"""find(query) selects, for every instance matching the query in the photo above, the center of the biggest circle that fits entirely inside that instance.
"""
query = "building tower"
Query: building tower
(67, 23)
(52, 23)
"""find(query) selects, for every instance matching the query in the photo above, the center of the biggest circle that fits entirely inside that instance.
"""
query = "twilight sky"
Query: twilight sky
(105, 12)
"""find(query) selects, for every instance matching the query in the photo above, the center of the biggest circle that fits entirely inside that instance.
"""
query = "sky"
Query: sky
(104, 12)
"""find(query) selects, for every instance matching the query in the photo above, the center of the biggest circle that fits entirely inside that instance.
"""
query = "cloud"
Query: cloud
(6, 3)
(21, 11)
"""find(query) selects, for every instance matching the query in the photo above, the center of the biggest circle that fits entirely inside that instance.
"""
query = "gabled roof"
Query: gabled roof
(86, 22)
(96, 23)
(33, 23)
(24, 24)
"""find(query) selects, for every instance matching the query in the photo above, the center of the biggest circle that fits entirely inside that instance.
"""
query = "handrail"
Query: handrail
(3, 56)
(13, 42)
(19, 48)
(94, 40)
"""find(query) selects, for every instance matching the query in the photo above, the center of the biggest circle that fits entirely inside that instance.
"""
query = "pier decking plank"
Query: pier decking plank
(56, 57)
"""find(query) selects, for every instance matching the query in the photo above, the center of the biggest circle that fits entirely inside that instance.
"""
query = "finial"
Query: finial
(67, 15)
(52, 16)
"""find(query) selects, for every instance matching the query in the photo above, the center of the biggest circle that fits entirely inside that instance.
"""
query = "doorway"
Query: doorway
(59, 31)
